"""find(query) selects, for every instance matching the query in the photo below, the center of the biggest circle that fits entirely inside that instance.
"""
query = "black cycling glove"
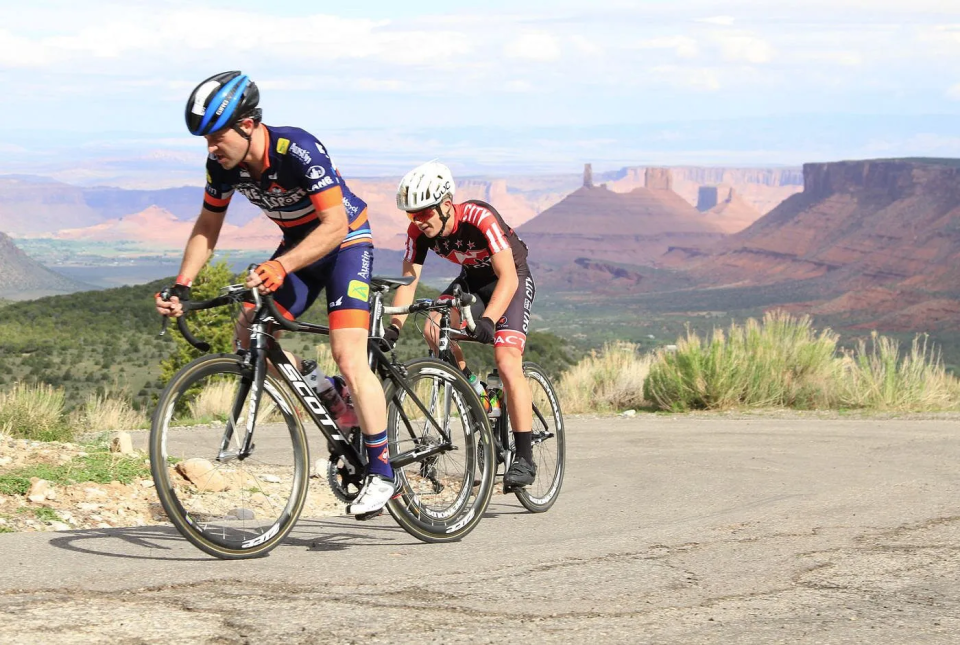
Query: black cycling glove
(484, 331)
(391, 334)
(181, 291)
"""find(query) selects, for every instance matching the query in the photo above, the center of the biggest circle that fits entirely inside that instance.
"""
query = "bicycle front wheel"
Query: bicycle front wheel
(549, 446)
(443, 494)
(227, 503)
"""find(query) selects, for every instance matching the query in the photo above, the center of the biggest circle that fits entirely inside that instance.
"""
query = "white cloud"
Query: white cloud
(723, 21)
(534, 46)
(585, 45)
(744, 48)
(382, 85)
(518, 86)
(126, 66)
(17, 51)
(701, 79)
(682, 46)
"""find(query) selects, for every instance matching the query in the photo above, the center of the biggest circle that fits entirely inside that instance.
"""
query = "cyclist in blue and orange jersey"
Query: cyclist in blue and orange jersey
(494, 267)
(327, 243)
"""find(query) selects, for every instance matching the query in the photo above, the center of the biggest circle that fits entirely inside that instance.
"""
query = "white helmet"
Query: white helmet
(424, 186)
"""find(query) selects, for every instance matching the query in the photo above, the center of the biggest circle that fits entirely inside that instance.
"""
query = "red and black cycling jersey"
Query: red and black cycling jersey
(477, 232)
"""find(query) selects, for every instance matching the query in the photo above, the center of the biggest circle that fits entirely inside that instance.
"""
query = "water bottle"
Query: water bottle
(335, 396)
(333, 393)
(480, 390)
(494, 397)
(494, 393)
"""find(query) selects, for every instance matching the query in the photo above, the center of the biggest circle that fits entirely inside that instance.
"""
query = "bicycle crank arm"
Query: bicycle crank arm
(541, 437)
(417, 454)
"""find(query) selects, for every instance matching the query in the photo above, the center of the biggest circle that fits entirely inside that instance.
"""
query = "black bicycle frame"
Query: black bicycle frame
(264, 346)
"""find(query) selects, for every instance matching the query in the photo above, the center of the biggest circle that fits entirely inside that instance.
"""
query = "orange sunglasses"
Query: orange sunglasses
(421, 216)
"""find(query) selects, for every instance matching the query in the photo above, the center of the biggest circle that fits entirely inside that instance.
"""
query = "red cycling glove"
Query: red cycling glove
(272, 274)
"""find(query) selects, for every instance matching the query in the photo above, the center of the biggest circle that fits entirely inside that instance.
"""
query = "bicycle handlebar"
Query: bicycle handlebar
(460, 300)
(234, 293)
(240, 293)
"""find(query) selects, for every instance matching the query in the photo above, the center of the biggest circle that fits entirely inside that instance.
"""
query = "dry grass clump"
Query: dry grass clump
(878, 378)
(34, 412)
(608, 380)
(107, 412)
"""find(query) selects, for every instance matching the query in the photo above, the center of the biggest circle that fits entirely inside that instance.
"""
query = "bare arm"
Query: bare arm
(203, 239)
(507, 282)
(404, 295)
(320, 241)
(199, 248)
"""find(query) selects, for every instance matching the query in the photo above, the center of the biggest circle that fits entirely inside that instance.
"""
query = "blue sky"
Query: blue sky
(95, 90)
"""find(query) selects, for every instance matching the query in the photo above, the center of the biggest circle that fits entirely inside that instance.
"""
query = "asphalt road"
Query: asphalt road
(673, 529)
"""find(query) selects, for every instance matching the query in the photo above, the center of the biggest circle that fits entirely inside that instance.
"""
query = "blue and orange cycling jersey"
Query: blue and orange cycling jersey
(298, 179)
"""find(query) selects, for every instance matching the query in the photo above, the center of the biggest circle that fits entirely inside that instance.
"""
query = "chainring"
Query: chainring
(344, 483)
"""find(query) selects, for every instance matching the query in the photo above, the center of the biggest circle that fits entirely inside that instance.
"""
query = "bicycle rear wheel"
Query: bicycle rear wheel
(549, 446)
(229, 507)
(441, 497)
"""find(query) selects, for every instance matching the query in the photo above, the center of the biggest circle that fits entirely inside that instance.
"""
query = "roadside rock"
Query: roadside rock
(79, 505)
(203, 475)
(122, 443)
(38, 490)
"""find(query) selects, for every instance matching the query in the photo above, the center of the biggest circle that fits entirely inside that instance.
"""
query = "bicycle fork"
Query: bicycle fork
(249, 392)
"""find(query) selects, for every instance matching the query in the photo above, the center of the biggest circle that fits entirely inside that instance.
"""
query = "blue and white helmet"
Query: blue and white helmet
(221, 101)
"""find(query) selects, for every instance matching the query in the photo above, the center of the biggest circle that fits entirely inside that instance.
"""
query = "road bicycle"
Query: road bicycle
(549, 444)
(230, 457)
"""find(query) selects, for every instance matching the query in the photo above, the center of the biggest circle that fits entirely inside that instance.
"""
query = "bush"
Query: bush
(784, 362)
(107, 411)
(879, 379)
(779, 362)
(610, 380)
(215, 326)
(34, 412)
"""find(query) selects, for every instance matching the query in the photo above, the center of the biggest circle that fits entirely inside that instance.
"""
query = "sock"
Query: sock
(524, 442)
(378, 454)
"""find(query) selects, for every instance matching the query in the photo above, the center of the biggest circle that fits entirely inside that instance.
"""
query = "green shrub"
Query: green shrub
(779, 362)
(880, 379)
(214, 326)
(783, 362)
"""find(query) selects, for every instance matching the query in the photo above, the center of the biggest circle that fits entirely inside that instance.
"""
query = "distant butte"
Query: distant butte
(635, 227)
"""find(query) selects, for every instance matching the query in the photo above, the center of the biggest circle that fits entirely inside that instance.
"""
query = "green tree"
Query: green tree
(214, 326)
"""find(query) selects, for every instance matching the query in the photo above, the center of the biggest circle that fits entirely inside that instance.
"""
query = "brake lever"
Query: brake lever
(164, 295)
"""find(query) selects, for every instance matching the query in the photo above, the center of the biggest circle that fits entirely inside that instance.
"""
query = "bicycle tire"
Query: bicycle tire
(440, 498)
(225, 506)
(549, 443)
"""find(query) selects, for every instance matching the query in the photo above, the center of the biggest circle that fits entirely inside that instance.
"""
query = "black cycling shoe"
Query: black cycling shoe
(521, 473)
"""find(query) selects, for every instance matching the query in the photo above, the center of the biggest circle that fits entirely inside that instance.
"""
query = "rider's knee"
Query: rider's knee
(509, 362)
(351, 362)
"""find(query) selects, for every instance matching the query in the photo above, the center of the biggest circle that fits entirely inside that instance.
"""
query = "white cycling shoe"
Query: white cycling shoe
(374, 495)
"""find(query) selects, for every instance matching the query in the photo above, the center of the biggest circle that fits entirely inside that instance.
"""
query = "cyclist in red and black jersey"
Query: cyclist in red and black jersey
(494, 267)
(326, 244)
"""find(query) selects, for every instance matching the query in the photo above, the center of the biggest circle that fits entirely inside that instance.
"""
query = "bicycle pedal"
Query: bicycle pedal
(363, 517)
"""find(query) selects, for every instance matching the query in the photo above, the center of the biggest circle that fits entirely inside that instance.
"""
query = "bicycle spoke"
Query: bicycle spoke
(548, 443)
(437, 491)
(229, 503)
